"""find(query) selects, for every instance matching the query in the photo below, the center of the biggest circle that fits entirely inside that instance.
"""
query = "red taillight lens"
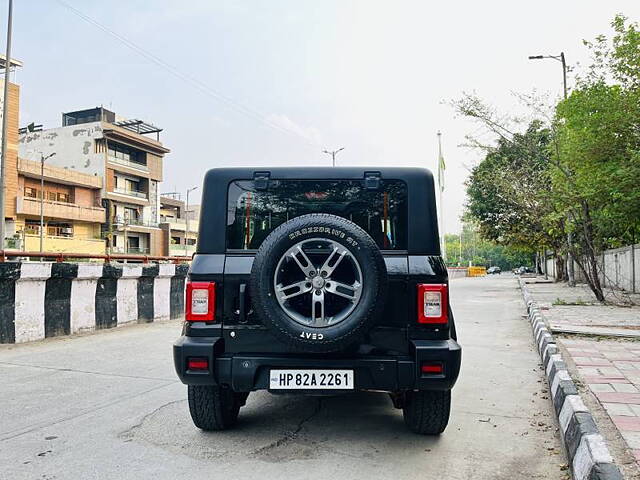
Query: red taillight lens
(431, 368)
(432, 304)
(197, 363)
(201, 302)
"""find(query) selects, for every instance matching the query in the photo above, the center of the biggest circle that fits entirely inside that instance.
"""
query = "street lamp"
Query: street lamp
(333, 154)
(560, 58)
(186, 230)
(42, 160)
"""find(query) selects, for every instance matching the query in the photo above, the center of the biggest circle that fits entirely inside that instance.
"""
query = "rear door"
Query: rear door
(253, 213)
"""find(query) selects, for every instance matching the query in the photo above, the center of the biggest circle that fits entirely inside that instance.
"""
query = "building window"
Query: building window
(30, 192)
(54, 229)
(175, 240)
(122, 154)
(32, 227)
(131, 215)
(131, 185)
(63, 197)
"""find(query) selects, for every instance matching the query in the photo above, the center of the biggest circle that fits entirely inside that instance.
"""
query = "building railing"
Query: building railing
(175, 249)
(120, 220)
(55, 209)
(131, 192)
(7, 255)
(128, 163)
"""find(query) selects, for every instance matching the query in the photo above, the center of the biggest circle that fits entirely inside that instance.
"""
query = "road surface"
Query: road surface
(108, 406)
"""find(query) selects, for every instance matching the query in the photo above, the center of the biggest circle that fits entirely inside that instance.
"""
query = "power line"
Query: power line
(199, 85)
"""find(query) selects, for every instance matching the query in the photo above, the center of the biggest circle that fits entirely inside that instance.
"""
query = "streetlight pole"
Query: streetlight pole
(333, 154)
(186, 213)
(5, 117)
(42, 160)
(560, 58)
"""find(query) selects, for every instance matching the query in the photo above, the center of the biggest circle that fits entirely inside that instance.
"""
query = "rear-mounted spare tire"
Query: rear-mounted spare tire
(318, 282)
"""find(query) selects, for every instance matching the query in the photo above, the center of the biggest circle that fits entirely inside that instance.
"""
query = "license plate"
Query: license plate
(311, 380)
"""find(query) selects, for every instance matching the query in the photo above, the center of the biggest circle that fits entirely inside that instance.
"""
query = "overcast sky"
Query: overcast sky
(370, 76)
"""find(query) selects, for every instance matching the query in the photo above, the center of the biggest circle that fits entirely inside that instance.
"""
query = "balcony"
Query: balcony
(94, 246)
(180, 224)
(178, 250)
(59, 210)
(131, 250)
(133, 222)
(128, 163)
(131, 192)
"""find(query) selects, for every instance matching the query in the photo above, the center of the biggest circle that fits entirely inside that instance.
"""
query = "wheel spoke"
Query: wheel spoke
(317, 308)
(300, 288)
(306, 269)
(327, 267)
(351, 292)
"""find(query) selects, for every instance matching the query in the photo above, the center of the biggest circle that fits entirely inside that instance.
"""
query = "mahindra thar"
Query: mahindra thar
(318, 281)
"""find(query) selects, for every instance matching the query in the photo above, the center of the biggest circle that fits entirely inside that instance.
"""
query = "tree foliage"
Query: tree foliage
(577, 173)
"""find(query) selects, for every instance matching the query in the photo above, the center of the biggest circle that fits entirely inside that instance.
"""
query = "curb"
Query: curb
(586, 448)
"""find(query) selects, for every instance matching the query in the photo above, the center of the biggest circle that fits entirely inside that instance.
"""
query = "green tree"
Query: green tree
(595, 156)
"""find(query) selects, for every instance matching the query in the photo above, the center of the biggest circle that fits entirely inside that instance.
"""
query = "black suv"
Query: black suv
(318, 281)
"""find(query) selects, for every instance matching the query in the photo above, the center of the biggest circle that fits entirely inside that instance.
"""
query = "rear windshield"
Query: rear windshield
(252, 214)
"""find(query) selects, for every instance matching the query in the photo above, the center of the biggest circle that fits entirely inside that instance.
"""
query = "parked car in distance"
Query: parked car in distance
(522, 270)
(493, 270)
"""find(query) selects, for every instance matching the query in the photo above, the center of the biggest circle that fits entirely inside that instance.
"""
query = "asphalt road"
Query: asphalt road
(108, 406)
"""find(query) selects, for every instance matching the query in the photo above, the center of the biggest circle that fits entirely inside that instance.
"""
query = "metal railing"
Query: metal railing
(62, 256)
(128, 163)
(129, 191)
(120, 220)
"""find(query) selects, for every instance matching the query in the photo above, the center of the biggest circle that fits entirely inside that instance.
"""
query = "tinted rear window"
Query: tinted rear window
(253, 214)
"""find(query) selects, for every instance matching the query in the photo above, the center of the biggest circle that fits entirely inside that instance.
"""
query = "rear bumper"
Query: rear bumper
(245, 372)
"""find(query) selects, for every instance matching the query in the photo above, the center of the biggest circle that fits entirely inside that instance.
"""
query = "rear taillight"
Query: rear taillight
(432, 304)
(431, 368)
(198, 364)
(201, 302)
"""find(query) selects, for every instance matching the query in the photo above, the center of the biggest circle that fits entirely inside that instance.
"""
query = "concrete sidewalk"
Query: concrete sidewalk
(601, 344)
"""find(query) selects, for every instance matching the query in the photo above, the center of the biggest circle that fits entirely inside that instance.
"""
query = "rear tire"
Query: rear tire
(427, 412)
(214, 407)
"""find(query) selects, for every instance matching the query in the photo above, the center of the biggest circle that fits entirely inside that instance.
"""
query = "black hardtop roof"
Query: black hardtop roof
(324, 173)
(423, 225)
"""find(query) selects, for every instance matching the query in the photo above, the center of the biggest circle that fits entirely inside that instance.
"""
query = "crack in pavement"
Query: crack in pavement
(72, 370)
(24, 430)
(129, 432)
(288, 436)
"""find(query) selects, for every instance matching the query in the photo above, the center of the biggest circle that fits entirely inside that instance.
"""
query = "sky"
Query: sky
(259, 83)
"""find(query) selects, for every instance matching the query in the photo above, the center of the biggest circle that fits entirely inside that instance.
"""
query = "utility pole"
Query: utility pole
(5, 115)
(42, 160)
(186, 230)
(570, 268)
(333, 154)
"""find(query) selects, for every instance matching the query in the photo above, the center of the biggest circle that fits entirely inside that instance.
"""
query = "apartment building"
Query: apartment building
(126, 155)
(70, 201)
(173, 222)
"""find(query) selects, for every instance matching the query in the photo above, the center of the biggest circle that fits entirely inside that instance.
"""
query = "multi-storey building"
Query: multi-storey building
(179, 239)
(69, 201)
(128, 161)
